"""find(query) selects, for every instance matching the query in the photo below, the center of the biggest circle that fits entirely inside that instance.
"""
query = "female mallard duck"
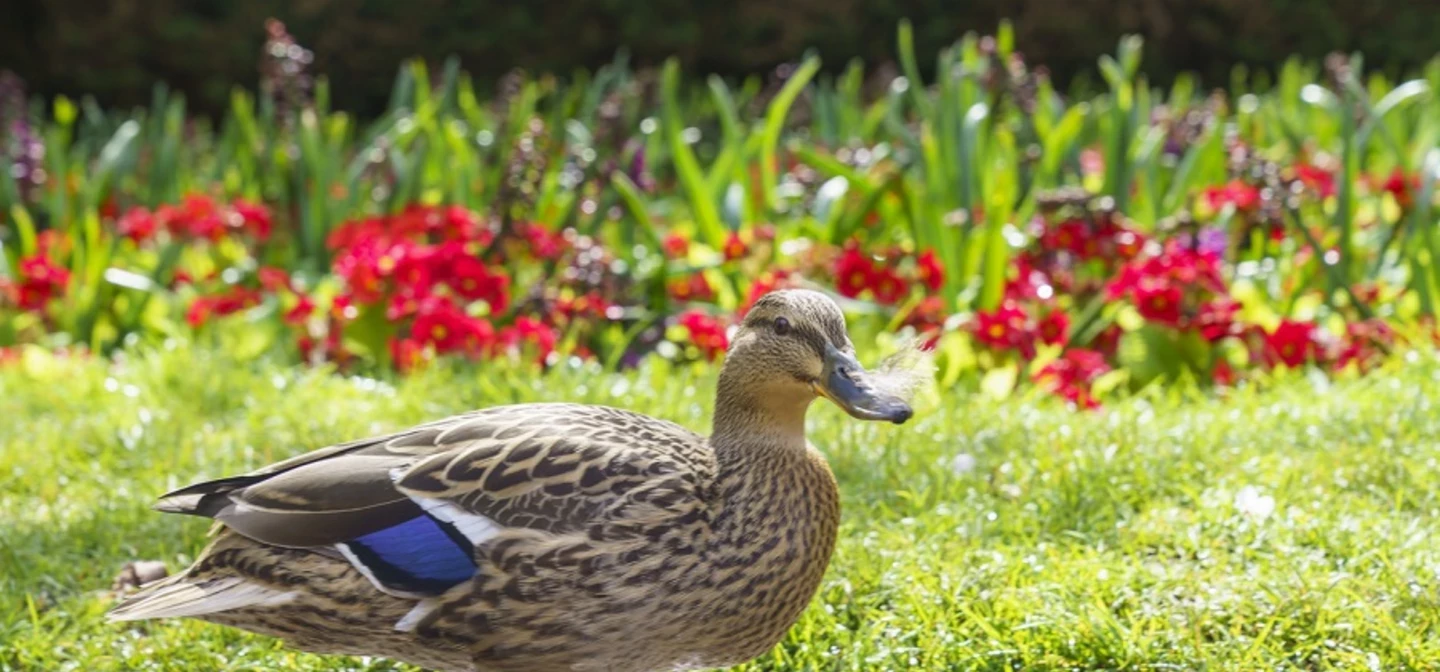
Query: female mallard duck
(547, 536)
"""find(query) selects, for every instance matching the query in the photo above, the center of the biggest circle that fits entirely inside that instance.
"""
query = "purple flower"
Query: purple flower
(1213, 240)
(20, 147)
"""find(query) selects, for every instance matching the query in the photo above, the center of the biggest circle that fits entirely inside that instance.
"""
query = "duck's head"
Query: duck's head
(791, 348)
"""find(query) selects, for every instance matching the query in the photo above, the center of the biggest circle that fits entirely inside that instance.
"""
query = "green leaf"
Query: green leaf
(687, 167)
(25, 228)
(635, 204)
(916, 86)
(775, 122)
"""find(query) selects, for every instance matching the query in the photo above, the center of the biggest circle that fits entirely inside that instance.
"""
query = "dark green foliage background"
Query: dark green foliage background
(117, 50)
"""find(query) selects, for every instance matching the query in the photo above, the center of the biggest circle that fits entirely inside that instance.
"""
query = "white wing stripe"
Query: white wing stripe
(477, 528)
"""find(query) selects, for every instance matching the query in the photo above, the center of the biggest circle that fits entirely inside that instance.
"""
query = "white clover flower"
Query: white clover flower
(1250, 501)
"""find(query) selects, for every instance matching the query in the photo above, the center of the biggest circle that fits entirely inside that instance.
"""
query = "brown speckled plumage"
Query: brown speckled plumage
(624, 542)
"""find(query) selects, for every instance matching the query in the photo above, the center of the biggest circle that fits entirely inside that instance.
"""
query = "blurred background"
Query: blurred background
(118, 50)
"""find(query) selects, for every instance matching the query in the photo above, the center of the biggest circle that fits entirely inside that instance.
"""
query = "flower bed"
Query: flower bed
(1087, 244)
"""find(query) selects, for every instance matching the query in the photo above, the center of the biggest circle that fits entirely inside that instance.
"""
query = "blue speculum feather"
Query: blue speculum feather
(418, 555)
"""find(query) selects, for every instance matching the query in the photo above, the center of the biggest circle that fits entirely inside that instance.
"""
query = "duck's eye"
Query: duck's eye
(782, 326)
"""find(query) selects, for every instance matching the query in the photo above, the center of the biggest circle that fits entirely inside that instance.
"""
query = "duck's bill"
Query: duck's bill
(848, 384)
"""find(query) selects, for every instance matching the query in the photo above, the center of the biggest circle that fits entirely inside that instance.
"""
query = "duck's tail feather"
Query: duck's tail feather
(181, 595)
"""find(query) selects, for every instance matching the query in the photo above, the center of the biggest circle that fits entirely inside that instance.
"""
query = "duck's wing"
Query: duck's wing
(410, 509)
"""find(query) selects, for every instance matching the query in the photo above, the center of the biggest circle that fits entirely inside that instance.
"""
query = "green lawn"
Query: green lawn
(1293, 528)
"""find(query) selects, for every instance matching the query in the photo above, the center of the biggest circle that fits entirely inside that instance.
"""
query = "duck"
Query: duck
(547, 536)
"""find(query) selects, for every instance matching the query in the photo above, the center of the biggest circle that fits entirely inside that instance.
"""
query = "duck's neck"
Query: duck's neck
(750, 425)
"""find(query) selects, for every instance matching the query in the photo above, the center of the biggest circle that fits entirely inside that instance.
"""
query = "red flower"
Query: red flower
(457, 223)
(403, 304)
(676, 246)
(1243, 196)
(51, 243)
(706, 332)
(1222, 374)
(218, 305)
(1029, 282)
(1164, 286)
(888, 287)
(1291, 343)
(469, 277)
(1073, 374)
(254, 218)
(330, 348)
(1365, 343)
(766, 283)
(1005, 328)
(1217, 319)
(372, 267)
(1108, 340)
(342, 309)
(197, 216)
(1113, 239)
(350, 234)
(543, 244)
(1159, 302)
(40, 281)
(1128, 244)
(1320, 180)
(408, 353)
(529, 331)
(1401, 187)
(273, 279)
(931, 273)
(854, 271)
(1054, 328)
(592, 305)
(304, 308)
(692, 288)
(1072, 235)
(137, 224)
(928, 318)
(735, 247)
(440, 323)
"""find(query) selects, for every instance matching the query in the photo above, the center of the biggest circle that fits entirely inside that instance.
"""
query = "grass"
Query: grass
(983, 535)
